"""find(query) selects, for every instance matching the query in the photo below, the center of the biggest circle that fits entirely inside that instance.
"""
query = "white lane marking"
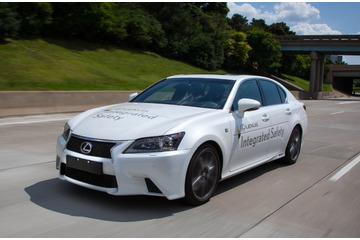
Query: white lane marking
(321, 148)
(345, 169)
(34, 121)
(347, 102)
(334, 113)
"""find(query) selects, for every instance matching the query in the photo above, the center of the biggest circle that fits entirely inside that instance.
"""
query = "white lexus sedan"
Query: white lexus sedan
(181, 136)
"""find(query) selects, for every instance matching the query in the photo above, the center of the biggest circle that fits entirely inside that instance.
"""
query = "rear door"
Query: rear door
(279, 114)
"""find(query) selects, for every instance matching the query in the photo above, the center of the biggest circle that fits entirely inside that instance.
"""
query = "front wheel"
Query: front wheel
(202, 175)
(292, 151)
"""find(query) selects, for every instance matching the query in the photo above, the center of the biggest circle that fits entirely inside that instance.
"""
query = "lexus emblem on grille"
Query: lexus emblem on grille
(86, 147)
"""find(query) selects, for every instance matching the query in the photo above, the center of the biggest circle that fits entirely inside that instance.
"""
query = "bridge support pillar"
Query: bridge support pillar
(316, 74)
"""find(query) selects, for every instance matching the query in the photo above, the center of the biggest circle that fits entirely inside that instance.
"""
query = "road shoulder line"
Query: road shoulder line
(345, 169)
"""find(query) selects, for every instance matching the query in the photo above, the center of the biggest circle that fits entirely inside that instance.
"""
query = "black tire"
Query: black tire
(293, 147)
(202, 175)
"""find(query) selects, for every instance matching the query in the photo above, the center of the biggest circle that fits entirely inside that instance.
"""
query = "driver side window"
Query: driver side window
(247, 89)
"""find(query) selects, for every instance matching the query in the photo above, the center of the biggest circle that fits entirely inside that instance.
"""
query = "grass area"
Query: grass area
(47, 64)
(305, 84)
(67, 65)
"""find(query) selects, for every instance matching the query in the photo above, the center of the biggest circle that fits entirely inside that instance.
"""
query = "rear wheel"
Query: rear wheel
(292, 151)
(202, 175)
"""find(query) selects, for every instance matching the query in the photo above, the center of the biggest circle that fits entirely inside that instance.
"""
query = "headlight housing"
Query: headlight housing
(156, 144)
(66, 131)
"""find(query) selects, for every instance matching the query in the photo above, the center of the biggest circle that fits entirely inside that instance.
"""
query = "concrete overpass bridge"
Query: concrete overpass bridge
(342, 76)
(318, 46)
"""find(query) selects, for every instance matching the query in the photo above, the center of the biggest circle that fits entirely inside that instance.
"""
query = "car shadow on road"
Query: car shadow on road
(247, 176)
(66, 198)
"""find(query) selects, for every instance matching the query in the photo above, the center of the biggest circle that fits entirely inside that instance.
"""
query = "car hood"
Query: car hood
(129, 121)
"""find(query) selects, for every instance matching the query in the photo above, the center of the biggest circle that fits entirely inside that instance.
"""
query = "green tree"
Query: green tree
(280, 29)
(199, 33)
(9, 22)
(34, 17)
(177, 24)
(211, 28)
(195, 33)
(89, 21)
(236, 50)
(259, 23)
(297, 65)
(239, 23)
(219, 8)
(143, 31)
(266, 50)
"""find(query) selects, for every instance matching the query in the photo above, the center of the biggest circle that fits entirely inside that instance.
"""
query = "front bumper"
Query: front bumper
(157, 174)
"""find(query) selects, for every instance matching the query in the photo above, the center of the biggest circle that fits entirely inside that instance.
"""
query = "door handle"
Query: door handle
(288, 111)
(265, 117)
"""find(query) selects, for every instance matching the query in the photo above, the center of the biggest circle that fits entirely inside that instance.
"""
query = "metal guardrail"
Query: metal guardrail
(316, 39)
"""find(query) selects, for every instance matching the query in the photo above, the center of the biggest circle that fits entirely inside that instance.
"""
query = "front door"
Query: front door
(252, 131)
(252, 139)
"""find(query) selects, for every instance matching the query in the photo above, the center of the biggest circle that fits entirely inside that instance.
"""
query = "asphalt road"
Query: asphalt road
(319, 196)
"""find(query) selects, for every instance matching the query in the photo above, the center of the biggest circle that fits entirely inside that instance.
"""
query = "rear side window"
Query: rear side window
(282, 94)
(271, 93)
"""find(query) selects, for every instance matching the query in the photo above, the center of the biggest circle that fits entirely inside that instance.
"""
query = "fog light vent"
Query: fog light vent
(151, 186)
(62, 168)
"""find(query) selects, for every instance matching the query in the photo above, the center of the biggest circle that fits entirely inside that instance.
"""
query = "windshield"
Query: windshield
(196, 92)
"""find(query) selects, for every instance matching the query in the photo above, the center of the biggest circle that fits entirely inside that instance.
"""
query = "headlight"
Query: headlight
(156, 144)
(66, 132)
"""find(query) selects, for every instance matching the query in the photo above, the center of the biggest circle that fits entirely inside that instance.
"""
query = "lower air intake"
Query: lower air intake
(151, 186)
(103, 180)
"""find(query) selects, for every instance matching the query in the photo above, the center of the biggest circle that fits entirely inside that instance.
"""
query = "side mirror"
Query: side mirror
(132, 96)
(247, 104)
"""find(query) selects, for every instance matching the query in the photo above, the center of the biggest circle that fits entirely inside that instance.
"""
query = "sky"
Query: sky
(306, 18)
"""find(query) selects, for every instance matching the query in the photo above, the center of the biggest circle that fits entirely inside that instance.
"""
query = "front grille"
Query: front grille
(99, 149)
(102, 180)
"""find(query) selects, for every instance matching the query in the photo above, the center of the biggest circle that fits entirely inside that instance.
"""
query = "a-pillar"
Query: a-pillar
(316, 74)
